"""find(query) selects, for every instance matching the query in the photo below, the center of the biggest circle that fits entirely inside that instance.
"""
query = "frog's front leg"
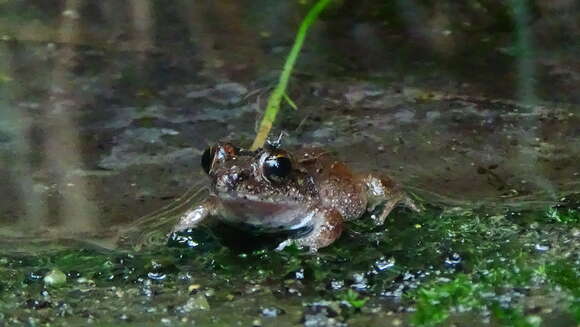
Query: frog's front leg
(326, 228)
(194, 216)
(384, 191)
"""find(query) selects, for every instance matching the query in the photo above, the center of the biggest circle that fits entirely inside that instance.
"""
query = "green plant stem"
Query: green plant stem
(277, 95)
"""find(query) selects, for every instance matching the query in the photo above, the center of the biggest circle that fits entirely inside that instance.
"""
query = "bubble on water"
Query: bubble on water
(299, 274)
(156, 276)
(360, 281)
(397, 292)
(453, 260)
(272, 312)
(55, 277)
(336, 284)
(408, 276)
(383, 264)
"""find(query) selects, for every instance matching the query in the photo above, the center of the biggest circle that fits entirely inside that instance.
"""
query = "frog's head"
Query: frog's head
(258, 183)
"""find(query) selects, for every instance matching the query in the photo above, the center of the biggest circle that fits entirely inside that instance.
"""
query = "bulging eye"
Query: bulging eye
(226, 150)
(218, 153)
(207, 158)
(276, 167)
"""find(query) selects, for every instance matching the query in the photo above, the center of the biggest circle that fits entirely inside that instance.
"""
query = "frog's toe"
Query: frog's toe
(297, 244)
(411, 204)
(327, 229)
(285, 244)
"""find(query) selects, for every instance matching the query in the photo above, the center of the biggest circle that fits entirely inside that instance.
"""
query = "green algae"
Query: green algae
(489, 281)
(510, 267)
(353, 299)
(566, 216)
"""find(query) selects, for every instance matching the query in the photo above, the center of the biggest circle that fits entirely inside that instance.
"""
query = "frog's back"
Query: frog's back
(338, 187)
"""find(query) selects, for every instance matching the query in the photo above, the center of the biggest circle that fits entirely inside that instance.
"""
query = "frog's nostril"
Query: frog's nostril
(229, 181)
(243, 175)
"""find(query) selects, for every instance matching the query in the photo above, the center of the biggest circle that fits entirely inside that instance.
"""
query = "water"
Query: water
(106, 108)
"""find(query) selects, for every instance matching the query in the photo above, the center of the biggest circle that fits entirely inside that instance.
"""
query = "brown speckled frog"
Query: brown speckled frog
(308, 193)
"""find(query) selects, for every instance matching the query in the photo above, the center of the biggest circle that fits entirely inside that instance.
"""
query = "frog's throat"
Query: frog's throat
(236, 196)
(267, 215)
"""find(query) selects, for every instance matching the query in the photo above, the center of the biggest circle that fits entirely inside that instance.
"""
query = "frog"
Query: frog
(308, 193)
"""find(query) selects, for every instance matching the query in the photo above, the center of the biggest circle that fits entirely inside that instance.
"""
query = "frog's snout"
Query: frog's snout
(229, 181)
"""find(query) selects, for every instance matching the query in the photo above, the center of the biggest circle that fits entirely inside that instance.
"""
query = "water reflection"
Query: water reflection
(17, 167)
(78, 76)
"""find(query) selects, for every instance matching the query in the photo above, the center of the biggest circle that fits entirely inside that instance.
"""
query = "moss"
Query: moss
(479, 291)
(567, 276)
(501, 267)
(435, 302)
(563, 216)
(353, 299)
(567, 211)
(514, 317)
(457, 263)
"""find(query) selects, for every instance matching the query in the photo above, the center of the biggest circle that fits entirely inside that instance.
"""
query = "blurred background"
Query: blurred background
(106, 106)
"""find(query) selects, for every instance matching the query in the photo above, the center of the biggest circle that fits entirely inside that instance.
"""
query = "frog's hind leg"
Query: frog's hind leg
(391, 204)
(408, 202)
(327, 229)
(384, 191)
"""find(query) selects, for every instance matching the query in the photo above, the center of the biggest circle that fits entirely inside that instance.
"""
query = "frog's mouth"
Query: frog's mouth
(269, 215)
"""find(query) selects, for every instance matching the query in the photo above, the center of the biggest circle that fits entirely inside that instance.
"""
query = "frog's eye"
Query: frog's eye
(220, 152)
(226, 150)
(207, 158)
(276, 166)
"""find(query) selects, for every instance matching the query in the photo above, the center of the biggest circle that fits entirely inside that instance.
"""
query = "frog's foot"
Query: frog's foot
(327, 228)
(285, 244)
(401, 198)
(408, 202)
